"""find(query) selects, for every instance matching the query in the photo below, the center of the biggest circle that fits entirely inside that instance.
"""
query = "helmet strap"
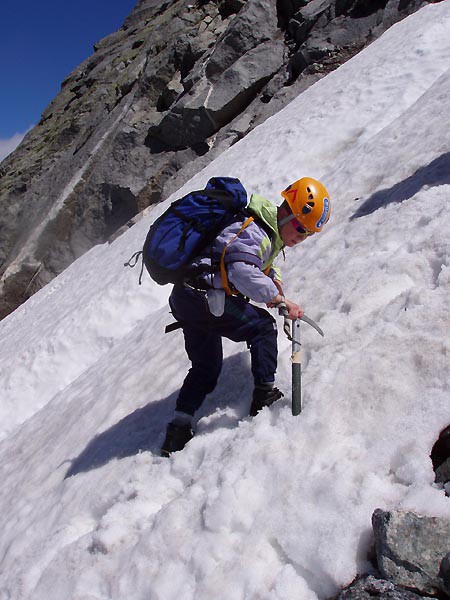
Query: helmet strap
(285, 220)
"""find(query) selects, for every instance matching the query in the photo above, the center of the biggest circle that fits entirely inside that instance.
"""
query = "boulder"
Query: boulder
(412, 550)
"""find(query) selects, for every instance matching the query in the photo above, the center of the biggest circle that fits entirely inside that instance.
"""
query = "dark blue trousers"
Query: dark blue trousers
(203, 332)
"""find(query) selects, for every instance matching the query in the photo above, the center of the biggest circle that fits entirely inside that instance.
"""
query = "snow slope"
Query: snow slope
(276, 507)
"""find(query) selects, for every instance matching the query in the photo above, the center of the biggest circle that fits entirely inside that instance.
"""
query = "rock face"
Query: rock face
(413, 551)
(158, 99)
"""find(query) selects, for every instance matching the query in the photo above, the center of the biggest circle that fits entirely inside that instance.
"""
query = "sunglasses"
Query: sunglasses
(301, 229)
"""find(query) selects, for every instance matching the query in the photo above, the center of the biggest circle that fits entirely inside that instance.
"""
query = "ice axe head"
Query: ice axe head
(313, 324)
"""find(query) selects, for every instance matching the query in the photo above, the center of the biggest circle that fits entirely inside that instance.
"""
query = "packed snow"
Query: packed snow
(276, 507)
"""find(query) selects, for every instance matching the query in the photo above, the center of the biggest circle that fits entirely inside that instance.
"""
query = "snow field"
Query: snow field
(276, 507)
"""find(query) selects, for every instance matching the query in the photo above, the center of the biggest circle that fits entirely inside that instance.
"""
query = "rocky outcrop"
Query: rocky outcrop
(240, 65)
(179, 83)
(412, 559)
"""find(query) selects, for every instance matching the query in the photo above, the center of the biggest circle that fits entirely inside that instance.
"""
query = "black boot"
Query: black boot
(177, 436)
(264, 397)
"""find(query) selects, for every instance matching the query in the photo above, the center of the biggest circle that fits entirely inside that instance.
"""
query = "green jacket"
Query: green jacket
(266, 212)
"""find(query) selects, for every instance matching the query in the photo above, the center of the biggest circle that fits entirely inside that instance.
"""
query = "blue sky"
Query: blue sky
(41, 42)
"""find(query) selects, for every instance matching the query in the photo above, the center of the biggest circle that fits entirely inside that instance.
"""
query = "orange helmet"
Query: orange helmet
(309, 202)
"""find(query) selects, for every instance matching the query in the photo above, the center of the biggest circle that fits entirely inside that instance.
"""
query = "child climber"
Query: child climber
(216, 305)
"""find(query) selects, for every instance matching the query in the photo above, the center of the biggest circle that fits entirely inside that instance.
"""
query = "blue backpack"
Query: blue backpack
(188, 226)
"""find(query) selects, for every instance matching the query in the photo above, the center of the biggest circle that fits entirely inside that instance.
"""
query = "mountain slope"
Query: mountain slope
(276, 507)
(157, 101)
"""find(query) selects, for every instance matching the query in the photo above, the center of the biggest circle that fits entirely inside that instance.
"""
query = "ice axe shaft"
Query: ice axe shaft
(296, 369)
(297, 362)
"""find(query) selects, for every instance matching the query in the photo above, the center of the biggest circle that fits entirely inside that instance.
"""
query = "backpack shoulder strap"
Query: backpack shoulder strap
(223, 271)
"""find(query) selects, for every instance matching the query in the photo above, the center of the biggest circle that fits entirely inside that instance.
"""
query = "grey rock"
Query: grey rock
(443, 472)
(368, 587)
(440, 452)
(315, 8)
(411, 550)
(440, 457)
(444, 573)
(298, 29)
(242, 36)
(230, 7)
(209, 106)
(363, 8)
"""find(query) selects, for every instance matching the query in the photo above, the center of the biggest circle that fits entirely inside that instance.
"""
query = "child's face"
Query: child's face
(292, 233)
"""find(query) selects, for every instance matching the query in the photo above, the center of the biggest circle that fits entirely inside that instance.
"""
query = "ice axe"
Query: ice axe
(296, 355)
(297, 363)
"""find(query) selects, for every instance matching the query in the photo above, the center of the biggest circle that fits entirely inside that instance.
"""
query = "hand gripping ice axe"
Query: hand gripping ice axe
(296, 354)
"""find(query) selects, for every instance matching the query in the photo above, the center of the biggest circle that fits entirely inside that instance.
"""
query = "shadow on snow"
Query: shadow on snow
(436, 173)
(143, 429)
